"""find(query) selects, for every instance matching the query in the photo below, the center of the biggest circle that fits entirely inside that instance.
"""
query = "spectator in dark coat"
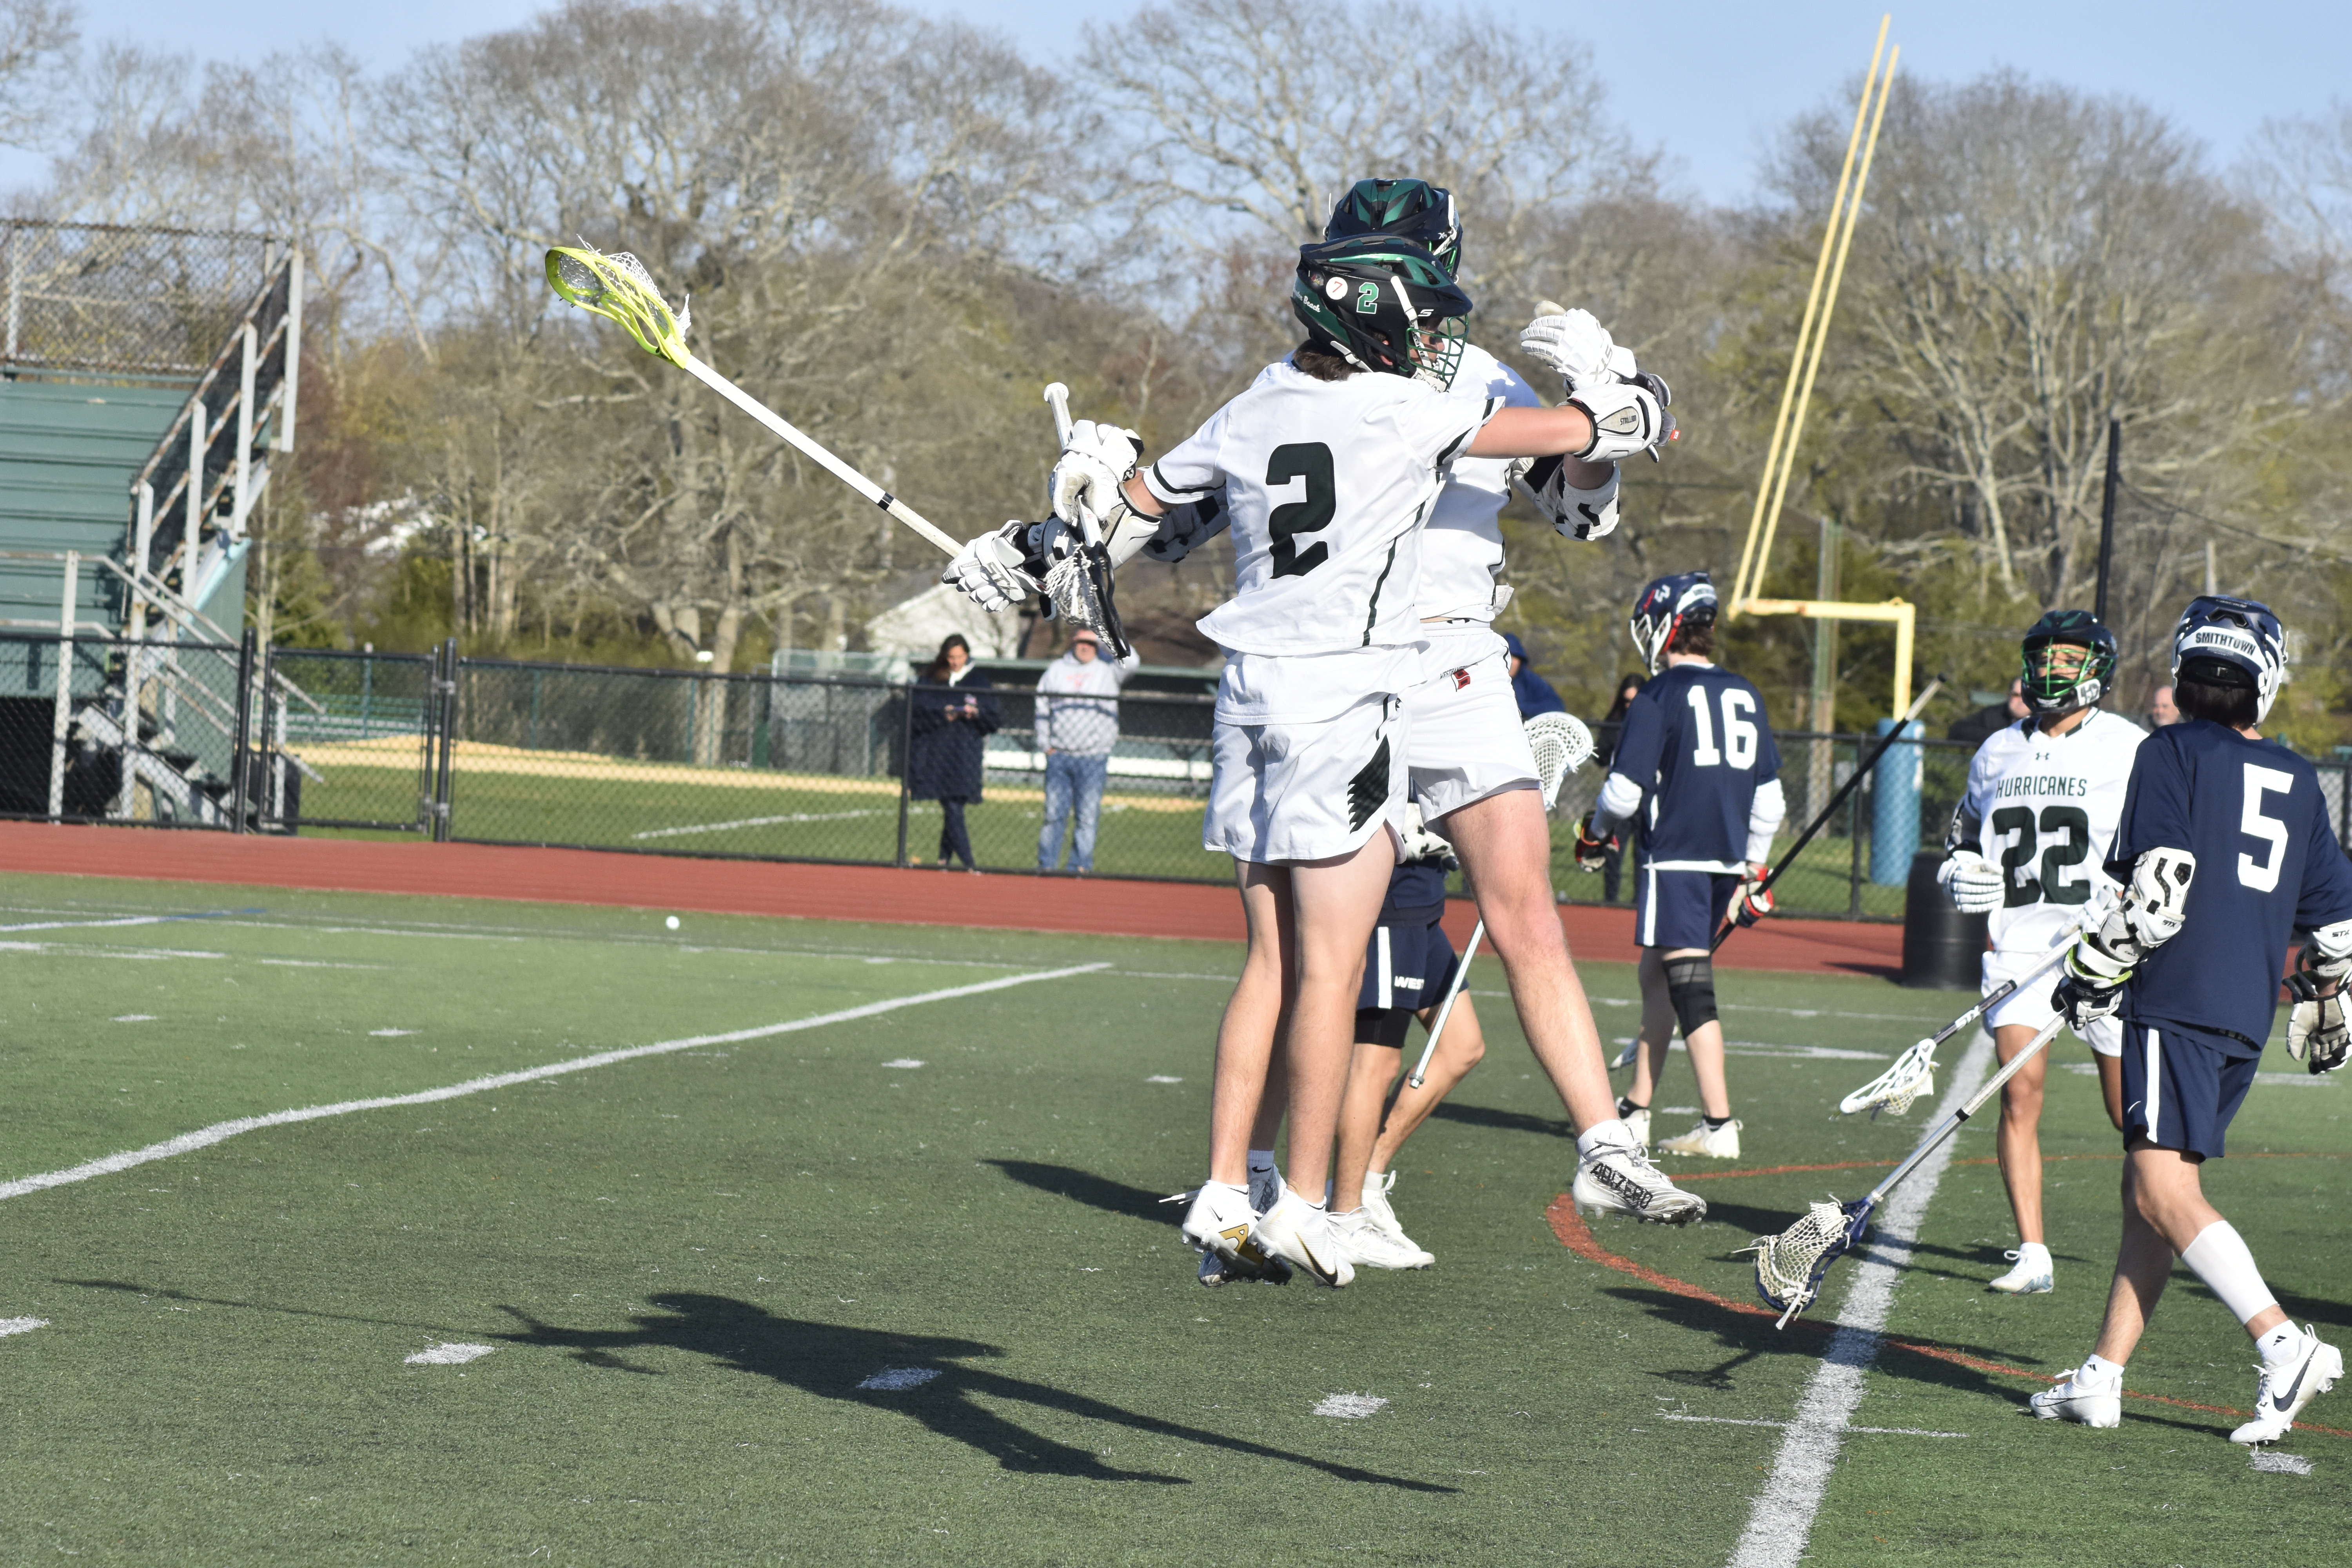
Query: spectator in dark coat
(1979, 726)
(954, 707)
(1534, 692)
(1612, 864)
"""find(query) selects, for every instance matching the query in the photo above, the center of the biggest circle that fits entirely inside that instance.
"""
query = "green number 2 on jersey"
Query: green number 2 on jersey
(1311, 461)
(2020, 884)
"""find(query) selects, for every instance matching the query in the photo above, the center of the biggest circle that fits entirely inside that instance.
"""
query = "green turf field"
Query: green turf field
(685, 1265)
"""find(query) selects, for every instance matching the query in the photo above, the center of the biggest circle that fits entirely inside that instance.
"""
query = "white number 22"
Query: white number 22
(2263, 877)
(1738, 734)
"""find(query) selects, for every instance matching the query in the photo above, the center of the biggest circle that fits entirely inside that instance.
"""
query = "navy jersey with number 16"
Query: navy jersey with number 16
(1696, 743)
(2267, 861)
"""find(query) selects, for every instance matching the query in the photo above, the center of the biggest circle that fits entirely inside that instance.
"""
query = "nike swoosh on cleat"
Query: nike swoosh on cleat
(2300, 1373)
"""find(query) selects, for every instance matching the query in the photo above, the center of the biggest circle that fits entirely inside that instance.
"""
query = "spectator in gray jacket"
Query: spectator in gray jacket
(1078, 726)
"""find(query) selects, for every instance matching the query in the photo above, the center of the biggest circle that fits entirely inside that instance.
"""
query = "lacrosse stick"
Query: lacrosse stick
(1789, 1265)
(1822, 819)
(1914, 1072)
(1562, 744)
(619, 289)
(1079, 584)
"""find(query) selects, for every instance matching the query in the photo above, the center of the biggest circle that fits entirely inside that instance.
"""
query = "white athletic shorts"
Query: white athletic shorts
(2029, 1004)
(1467, 742)
(1310, 790)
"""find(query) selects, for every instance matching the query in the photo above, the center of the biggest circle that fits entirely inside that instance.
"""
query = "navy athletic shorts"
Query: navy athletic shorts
(1680, 909)
(2181, 1086)
(1407, 967)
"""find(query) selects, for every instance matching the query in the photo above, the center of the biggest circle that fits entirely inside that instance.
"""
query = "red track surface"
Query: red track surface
(1105, 905)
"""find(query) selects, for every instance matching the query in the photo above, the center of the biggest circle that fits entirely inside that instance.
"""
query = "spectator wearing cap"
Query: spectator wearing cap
(1078, 726)
(1534, 692)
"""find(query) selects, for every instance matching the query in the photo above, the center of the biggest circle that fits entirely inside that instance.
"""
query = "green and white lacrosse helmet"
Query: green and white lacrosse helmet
(1408, 209)
(2056, 681)
(1383, 304)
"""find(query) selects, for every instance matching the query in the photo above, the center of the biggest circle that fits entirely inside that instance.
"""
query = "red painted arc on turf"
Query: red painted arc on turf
(1577, 1236)
(1987, 1160)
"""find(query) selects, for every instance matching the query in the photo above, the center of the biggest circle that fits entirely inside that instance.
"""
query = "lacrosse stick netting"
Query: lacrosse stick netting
(1789, 1265)
(619, 289)
(1562, 744)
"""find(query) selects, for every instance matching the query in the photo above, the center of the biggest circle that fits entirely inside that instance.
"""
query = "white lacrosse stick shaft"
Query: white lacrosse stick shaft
(816, 454)
(1059, 395)
(1951, 1124)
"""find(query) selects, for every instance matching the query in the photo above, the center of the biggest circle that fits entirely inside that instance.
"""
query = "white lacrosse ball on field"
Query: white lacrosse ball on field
(671, 922)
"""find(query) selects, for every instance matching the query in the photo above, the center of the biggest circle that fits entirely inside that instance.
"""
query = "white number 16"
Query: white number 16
(1738, 734)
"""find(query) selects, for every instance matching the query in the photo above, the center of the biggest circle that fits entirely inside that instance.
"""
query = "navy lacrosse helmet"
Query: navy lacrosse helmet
(1410, 209)
(1664, 607)
(2049, 691)
(2222, 641)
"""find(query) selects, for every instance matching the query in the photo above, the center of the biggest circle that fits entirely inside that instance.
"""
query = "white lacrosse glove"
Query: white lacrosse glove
(2317, 1033)
(1971, 882)
(1577, 514)
(1092, 470)
(989, 570)
(1576, 345)
(2091, 986)
(1627, 418)
(1422, 843)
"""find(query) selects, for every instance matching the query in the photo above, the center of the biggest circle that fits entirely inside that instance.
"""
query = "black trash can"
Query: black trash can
(1942, 948)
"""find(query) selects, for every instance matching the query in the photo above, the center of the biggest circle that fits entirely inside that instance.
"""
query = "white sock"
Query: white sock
(2097, 1372)
(1229, 1187)
(1602, 1137)
(2219, 1257)
(2281, 1343)
(2033, 1252)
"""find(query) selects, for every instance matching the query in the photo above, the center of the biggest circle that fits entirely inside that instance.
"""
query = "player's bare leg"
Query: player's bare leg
(1505, 843)
(2164, 1212)
(1335, 904)
(1254, 1020)
(2111, 1087)
(1369, 1139)
(2017, 1142)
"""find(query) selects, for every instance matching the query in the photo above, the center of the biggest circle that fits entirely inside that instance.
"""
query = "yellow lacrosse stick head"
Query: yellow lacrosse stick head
(618, 287)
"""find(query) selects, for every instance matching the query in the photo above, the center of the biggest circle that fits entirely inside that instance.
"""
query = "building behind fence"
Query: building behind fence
(795, 763)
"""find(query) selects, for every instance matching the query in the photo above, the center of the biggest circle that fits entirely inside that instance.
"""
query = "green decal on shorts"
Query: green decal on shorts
(1367, 792)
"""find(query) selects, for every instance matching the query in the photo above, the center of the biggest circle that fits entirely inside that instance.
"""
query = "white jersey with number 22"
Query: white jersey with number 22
(2042, 810)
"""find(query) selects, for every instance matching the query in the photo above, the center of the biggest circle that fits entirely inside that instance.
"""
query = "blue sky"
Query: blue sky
(1707, 81)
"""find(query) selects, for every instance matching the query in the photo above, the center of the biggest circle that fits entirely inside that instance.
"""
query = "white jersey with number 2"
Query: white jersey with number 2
(2042, 810)
(1329, 483)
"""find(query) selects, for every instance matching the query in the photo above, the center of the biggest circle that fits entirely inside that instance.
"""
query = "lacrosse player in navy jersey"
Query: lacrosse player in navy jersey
(2224, 849)
(1696, 765)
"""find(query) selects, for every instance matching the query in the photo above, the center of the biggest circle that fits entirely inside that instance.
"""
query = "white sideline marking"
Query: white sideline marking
(1162, 1077)
(894, 1378)
(1781, 1520)
(2263, 1460)
(123, 920)
(448, 1355)
(316, 963)
(902, 1062)
(2292, 1080)
(136, 1018)
(753, 822)
(26, 1325)
(1757, 1421)
(221, 1131)
(1350, 1406)
(390, 1034)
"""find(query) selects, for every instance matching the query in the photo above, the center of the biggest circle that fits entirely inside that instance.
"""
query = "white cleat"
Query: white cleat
(2085, 1404)
(1712, 1142)
(2284, 1389)
(1638, 1123)
(1623, 1181)
(1220, 1225)
(2033, 1276)
(1376, 1203)
(1299, 1233)
(1368, 1246)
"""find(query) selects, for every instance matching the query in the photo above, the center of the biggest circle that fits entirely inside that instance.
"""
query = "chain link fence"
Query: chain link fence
(133, 301)
(779, 765)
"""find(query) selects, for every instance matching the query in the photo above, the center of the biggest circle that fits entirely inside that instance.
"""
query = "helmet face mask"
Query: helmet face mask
(2069, 662)
(1664, 608)
(1383, 304)
(2222, 641)
(1406, 209)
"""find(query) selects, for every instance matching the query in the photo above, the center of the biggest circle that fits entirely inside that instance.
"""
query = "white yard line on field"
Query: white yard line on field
(221, 1131)
(118, 921)
(1782, 1519)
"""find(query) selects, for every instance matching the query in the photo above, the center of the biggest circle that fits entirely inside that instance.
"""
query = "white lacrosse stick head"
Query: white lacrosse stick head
(1789, 1267)
(1562, 744)
(1892, 1091)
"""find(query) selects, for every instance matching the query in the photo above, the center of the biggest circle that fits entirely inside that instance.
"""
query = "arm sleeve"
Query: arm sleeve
(1767, 750)
(1182, 529)
(1765, 815)
(2156, 808)
(1621, 797)
(1189, 470)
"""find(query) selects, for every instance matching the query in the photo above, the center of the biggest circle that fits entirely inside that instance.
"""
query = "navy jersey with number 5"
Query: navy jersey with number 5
(1696, 743)
(2267, 861)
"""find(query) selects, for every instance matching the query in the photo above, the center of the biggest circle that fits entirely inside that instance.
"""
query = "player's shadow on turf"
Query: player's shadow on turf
(833, 1361)
(1503, 1121)
(1085, 1187)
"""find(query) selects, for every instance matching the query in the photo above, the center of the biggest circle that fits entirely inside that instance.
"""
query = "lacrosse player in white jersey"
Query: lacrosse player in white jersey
(2026, 845)
(1328, 464)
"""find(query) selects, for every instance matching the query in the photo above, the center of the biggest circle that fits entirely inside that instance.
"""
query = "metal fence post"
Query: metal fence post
(1854, 841)
(239, 741)
(448, 716)
(61, 719)
(906, 772)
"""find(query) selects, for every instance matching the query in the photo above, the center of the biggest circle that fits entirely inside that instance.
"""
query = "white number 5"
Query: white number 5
(2264, 877)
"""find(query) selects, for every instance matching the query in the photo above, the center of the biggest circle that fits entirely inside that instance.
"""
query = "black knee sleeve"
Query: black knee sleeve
(1690, 983)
